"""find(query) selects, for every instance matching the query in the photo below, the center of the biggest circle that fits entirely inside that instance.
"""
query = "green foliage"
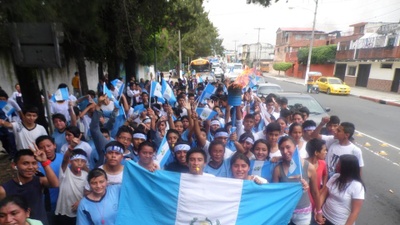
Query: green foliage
(320, 55)
(282, 66)
(264, 3)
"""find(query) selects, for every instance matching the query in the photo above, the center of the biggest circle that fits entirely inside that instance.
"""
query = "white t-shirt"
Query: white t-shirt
(25, 138)
(329, 140)
(303, 151)
(60, 107)
(71, 191)
(275, 154)
(336, 150)
(337, 207)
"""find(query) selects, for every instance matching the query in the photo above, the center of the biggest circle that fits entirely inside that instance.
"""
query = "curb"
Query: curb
(380, 101)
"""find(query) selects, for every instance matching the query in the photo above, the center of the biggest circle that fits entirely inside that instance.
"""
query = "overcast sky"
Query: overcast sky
(236, 20)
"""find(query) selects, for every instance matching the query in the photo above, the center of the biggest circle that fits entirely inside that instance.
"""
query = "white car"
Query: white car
(264, 89)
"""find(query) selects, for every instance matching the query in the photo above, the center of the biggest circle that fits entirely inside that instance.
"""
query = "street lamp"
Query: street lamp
(311, 43)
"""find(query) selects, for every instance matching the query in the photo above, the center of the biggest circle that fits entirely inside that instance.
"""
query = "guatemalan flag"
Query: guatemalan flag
(60, 95)
(207, 92)
(167, 92)
(164, 197)
(295, 165)
(156, 91)
(119, 85)
(6, 108)
(206, 113)
(163, 152)
(107, 91)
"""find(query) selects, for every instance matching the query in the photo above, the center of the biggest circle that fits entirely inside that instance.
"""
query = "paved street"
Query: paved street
(377, 136)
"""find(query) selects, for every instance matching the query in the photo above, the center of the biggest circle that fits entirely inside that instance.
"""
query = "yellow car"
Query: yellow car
(332, 85)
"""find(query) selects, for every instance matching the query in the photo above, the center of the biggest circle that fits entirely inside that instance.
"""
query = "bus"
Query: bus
(263, 66)
(200, 67)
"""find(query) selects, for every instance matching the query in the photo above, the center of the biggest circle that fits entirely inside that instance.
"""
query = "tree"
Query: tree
(320, 55)
(282, 66)
(264, 3)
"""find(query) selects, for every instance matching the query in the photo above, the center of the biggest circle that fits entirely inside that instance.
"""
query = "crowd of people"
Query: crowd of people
(74, 175)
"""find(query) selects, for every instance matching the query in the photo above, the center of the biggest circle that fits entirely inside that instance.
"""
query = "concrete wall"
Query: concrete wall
(53, 77)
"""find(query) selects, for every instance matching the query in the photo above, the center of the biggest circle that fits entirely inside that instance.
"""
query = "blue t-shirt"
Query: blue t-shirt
(59, 139)
(55, 166)
(223, 171)
(99, 212)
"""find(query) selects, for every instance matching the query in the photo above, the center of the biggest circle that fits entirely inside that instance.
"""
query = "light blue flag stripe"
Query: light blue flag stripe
(163, 152)
(148, 198)
(107, 91)
(274, 202)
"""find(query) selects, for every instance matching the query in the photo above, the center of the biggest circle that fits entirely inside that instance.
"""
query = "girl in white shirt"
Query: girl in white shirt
(344, 193)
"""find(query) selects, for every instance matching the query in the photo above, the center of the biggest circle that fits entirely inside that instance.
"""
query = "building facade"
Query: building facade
(370, 57)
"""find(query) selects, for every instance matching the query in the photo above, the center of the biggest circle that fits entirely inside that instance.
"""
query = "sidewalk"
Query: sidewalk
(388, 98)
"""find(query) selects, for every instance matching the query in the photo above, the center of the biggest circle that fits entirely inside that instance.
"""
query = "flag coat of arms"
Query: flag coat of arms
(164, 197)
(6, 108)
(295, 165)
(163, 153)
(206, 113)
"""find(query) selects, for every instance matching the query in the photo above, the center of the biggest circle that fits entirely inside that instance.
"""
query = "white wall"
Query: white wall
(383, 74)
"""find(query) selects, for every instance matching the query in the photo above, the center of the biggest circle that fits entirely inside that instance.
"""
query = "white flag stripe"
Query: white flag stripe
(223, 209)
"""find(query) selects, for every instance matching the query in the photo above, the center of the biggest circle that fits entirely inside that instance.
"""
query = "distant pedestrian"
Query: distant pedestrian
(76, 85)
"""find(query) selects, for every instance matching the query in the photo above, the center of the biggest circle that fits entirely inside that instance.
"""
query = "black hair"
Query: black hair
(18, 200)
(44, 137)
(293, 125)
(3, 94)
(96, 172)
(30, 109)
(304, 110)
(59, 116)
(314, 145)
(22, 152)
(239, 155)
(196, 150)
(215, 143)
(348, 128)
(248, 116)
(349, 170)
(146, 143)
(286, 138)
(334, 120)
(273, 126)
(297, 113)
(74, 130)
(78, 151)
(308, 123)
(285, 113)
(283, 101)
(173, 131)
(123, 129)
(262, 141)
(104, 130)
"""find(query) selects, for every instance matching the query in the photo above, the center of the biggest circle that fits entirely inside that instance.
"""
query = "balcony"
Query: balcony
(391, 53)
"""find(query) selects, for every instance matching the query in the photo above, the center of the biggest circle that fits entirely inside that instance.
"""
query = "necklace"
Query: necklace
(101, 213)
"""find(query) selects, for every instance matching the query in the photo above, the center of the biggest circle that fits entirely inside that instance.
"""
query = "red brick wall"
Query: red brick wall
(379, 85)
(349, 80)
(300, 70)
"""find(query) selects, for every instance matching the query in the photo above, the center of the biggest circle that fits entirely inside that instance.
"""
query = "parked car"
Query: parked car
(332, 85)
(267, 88)
(218, 72)
(297, 100)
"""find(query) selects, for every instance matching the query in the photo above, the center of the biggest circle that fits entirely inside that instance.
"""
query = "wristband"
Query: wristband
(46, 163)
(318, 212)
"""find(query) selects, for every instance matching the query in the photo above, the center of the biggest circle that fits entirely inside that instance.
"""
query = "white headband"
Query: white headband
(78, 156)
(214, 122)
(182, 147)
(250, 140)
(147, 120)
(221, 134)
(310, 128)
(140, 136)
(114, 148)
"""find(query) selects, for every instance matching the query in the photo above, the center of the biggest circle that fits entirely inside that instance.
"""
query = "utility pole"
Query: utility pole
(180, 54)
(235, 50)
(258, 45)
(311, 44)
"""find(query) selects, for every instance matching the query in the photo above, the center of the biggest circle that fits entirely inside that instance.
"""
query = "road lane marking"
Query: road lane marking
(378, 140)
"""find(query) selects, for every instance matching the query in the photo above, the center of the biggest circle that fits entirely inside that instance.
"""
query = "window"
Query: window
(351, 70)
(386, 65)
(390, 42)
